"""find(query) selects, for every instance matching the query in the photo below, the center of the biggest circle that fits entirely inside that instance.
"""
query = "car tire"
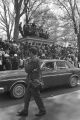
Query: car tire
(73, 82)
(17, 91)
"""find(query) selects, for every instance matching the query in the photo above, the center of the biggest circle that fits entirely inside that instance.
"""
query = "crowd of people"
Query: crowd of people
(9, 58)
(12, 55)
(53, 51)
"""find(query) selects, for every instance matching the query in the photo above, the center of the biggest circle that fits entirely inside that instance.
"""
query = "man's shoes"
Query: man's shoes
(22, 113)
(41, 113)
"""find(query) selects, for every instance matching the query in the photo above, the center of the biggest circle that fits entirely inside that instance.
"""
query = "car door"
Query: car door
(48, 74)
(62, 73)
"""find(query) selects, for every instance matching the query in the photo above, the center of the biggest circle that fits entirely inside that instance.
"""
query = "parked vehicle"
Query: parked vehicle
(54, 73)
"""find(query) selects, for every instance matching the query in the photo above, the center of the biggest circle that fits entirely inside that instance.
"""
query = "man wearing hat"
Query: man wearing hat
(7, 62)
(15, 62)
(34, 82)
(1, 67)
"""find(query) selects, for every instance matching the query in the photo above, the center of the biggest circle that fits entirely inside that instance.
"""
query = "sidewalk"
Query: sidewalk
(61, 107)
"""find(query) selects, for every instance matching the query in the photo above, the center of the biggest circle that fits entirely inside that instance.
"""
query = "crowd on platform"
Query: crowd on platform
(12, 55)
(33, 30)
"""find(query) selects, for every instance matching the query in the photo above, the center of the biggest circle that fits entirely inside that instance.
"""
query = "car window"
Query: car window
(49, 65)
(61, 65)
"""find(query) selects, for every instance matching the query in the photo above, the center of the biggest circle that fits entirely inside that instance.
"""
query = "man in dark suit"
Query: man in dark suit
(15, 62)
(34, 83)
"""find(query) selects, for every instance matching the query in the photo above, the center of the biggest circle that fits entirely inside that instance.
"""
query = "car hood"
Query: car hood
(12, 74)
(75, 69)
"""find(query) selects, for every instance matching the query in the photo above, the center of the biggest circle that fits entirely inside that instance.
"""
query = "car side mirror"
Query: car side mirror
(43, 68)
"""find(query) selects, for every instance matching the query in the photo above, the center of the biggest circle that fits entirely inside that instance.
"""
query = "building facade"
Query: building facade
(36, 41)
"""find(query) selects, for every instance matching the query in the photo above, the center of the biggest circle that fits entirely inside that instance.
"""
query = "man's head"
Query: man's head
(15, 55)
(32, 51)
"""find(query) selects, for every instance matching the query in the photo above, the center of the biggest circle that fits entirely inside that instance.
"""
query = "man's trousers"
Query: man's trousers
(35, 93)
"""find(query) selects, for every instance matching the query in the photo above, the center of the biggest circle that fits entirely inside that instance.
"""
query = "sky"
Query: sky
(55, 9)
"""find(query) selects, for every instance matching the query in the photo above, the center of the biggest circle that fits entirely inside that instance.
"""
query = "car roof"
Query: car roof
(50, 60)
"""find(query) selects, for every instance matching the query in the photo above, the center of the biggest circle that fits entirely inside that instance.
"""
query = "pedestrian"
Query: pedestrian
(8, 65)
(1, 67)
(15, 62)
(34, 83)
(21, 63)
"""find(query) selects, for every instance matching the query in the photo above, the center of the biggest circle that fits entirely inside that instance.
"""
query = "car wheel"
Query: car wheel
(73, 81)
(18, 90)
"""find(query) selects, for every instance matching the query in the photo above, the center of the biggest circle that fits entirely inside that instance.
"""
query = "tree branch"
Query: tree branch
(19, 4)
(11, 26)
(64, 7)
(77, 9)
(35, 9)
(2, 19)
(2, 23)
(25, 8)
(32, 5)
(3, 28)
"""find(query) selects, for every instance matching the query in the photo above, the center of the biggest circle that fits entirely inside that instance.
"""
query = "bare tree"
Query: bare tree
(35, 10)
(10, 21)
(72, 15)
(6, 19)
(27, 7)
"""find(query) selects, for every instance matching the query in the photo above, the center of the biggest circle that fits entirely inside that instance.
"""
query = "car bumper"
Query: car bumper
(2, 90)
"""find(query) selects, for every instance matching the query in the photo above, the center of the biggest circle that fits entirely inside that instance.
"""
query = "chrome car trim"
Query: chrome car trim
(56, 74)
(13, 79)
(42, 76)
(21, 81)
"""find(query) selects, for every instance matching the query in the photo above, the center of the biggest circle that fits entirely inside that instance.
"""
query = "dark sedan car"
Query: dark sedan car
(54, 73)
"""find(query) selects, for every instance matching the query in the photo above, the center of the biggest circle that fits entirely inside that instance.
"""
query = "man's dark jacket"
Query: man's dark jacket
(32, 67)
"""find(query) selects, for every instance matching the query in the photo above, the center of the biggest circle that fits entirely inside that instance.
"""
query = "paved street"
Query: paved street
(61, 104)
(60, 107)
(6, 101)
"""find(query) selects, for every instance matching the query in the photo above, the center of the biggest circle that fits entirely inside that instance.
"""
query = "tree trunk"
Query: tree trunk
(16, 28)
(8, 33)
(8, 36)
(78, 44)
(17, 17)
